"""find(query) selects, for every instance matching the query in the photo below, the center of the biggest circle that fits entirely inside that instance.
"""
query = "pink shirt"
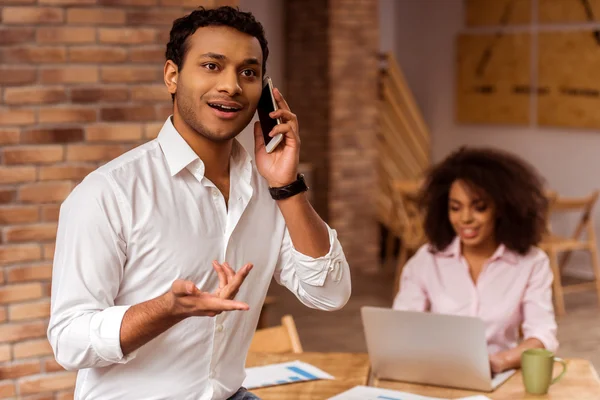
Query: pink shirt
(512, 291)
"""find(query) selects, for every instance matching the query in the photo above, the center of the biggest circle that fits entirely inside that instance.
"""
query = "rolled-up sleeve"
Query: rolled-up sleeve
(85, 323)
(538, 311)
(323, 283)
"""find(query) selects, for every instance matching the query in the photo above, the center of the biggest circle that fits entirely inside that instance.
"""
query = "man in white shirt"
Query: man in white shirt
(153, 247)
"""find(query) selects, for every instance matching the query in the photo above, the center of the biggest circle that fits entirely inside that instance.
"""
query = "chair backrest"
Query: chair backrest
(583, 205)
(410, 219)
(278, 339)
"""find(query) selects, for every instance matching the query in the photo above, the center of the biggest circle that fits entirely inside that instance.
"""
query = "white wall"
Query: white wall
(270, 14)
(425, 32)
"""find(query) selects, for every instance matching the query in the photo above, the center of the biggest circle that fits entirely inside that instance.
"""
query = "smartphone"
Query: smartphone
(267, 105)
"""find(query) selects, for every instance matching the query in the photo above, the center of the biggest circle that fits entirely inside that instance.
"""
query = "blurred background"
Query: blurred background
(382, 89)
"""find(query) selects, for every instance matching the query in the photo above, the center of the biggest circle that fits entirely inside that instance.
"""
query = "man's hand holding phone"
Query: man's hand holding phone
(280, 167)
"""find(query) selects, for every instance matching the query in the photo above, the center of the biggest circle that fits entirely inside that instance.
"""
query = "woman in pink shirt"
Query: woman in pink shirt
(484, 215)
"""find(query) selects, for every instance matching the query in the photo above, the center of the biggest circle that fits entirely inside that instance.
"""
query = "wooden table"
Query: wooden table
(579, 383)
(349, 370)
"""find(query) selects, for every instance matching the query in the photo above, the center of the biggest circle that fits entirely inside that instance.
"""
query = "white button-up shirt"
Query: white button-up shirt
(145, 219)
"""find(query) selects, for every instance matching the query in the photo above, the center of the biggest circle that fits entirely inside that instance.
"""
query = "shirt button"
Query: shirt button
(215, 193)
(219, 328)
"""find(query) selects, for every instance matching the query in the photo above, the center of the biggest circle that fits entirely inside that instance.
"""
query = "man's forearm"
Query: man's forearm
(307, 230)
(145, 321)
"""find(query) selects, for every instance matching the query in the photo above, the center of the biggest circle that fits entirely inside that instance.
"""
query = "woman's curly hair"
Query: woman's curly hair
(513, 185)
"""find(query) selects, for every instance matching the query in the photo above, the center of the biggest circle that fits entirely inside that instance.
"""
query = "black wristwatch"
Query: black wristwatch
(294, 188)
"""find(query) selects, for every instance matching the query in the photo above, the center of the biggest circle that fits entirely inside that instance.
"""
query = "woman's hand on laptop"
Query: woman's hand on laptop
(498, 362)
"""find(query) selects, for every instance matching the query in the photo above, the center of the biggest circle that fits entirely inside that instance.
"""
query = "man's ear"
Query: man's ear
(171, 73)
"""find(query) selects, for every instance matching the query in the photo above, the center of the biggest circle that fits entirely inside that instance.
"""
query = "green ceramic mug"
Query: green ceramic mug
(537, 367)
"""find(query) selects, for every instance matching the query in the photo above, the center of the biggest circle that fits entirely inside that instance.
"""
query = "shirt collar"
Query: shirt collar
(179, 154)
(453, 251)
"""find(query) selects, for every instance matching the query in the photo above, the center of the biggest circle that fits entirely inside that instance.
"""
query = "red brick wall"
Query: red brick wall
(332, 77)
(80, 83)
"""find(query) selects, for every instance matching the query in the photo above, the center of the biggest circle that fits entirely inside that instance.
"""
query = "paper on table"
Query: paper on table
(372, 393)
(281, 374)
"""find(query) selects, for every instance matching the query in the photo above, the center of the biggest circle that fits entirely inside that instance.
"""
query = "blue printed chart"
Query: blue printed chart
(282, 374)
(371, 393)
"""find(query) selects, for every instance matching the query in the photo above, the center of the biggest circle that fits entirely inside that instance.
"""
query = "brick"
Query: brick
(67, 2)
(33, 155)
(151, 93)
(35, 272)
(96, 95)
(99, 55)
(93, 152)
(20, 292)
(147, 54)
(19, 253)
(17, 75)
(22, 331)
(131, 74)
(52, 135)
(128, 113)
(163, 36)
(50, 365)
(124, 3)
(42, 396)
(7, 389)
(7, 196)
(45, 192)
(65, 172)
(48, 382)
(56, 115)
(48, 251)
(164, 111)
(151, 131)
(17, 117)
(16, 35)
(152, 17)
(25, 311)
(51, 212)
(78, 74)
(47, 288)
(18, 214)
(66, 35)
(30, 233)
(7, 2)
(34, 54)
(32, 348)
(32, 15)
(19, 369)
(113, 133)
(17, 174)
(5, 354)
(2, 314)
(126, 35)
(34, 95)
(95, 16)
(9, 136)
(65, 395)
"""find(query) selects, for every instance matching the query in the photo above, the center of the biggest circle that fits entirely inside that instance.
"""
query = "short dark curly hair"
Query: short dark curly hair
(514, 186)
(187, 25)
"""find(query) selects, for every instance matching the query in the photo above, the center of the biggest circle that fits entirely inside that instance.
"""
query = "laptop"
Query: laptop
(431, 349)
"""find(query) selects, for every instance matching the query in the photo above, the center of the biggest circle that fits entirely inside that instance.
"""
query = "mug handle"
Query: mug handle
(564, 365)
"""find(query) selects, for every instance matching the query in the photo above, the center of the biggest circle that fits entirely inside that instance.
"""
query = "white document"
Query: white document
(372, 393)
(281, 374)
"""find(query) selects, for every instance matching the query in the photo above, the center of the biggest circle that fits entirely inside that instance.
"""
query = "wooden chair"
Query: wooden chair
(278, 339)
(555, 245)
(409, 223)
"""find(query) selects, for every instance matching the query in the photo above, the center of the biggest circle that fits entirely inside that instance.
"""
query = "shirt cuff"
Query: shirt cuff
(105, 335)
(548, 339)
(314, 271)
